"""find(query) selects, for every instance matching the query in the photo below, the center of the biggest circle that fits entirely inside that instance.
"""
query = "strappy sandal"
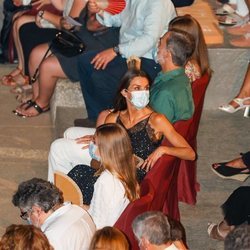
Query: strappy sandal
(214, 232)
(12, 81)
(30, 105)
(226, 172)
(231, 109)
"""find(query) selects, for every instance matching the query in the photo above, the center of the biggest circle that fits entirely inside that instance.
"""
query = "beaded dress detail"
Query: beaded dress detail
(143, 143)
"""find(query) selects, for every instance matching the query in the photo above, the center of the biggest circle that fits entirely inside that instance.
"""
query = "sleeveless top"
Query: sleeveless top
(142, 137)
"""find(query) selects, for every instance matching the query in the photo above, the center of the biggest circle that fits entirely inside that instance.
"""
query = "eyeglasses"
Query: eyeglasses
(25, 215)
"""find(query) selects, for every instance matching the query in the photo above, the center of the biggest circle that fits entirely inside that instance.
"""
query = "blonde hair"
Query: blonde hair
(109, 238)
(116, 156)
(190, 25)
(20, 237)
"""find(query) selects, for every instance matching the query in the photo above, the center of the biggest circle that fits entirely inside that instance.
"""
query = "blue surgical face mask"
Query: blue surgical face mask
(140, 98)
(92, 150)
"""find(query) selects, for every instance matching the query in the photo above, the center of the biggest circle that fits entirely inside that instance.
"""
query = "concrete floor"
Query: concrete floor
(25, 143)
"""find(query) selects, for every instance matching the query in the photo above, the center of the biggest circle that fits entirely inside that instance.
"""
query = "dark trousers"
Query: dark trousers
(99, 87)
(182, 3)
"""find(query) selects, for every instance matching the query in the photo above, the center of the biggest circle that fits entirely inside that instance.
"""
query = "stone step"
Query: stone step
(23, 153)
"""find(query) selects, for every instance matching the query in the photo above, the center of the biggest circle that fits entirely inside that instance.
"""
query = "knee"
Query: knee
(85, 59)
(55, 147)
(69, 133)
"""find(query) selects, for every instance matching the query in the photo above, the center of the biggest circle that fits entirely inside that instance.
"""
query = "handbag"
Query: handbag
(67, 43)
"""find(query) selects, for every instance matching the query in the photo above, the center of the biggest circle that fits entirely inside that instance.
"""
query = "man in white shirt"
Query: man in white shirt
(153, 232)
(66, 226)
(141, 24)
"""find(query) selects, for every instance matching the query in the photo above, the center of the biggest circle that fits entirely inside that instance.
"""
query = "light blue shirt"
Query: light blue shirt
(142, 23)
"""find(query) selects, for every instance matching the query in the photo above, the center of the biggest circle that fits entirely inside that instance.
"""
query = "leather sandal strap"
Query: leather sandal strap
(37, 107)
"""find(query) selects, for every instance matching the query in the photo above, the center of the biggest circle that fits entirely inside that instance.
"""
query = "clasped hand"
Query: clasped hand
(153, 157)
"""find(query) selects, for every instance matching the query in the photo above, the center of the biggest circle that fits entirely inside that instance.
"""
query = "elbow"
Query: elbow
(192, 156)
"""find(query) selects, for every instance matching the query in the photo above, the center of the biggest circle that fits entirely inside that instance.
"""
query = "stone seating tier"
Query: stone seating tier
(228, 64)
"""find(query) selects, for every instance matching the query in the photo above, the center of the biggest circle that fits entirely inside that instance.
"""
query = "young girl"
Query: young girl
(109, 238)
(117, 185)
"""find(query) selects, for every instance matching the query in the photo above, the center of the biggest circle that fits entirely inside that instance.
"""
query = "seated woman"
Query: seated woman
(42, 27)
(116, 186)
(94, 36)
(145, 128)
(236, 211)
(198, 64)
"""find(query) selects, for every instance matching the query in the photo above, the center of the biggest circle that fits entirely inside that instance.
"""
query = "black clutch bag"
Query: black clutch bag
(67, 43)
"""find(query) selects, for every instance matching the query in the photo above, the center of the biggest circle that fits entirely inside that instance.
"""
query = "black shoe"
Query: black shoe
(84, 123)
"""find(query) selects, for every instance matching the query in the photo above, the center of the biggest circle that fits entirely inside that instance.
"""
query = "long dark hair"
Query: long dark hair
(190, 25)
(120, 100)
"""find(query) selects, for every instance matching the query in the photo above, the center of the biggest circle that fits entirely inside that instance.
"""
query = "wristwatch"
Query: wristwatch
(40, 13)
(116, 49)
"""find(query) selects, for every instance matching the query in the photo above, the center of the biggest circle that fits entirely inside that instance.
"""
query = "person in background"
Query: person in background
(57, 65)
(145, 127)
(171, 93)
(236, 211)
(198, 64)
(28, 237)
(109, 238)
(242, 99)
(238, 239)
(237, 169)
(67, 226)
(153, 231)
(141, 24)
(43, 23)
(117, 185)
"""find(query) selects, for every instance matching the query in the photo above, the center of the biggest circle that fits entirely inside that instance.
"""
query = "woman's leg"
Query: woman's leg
(49, 71)
(35, 58)
(65, 153)
(16, 26)
(16, 76)
(245, 89)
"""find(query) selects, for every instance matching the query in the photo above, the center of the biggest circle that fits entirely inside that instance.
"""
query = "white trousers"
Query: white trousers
(65, 153)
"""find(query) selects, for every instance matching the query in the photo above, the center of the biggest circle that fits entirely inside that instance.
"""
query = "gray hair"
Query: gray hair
(239, 238)
(153, 226)
(181, 46)
(37, 192)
